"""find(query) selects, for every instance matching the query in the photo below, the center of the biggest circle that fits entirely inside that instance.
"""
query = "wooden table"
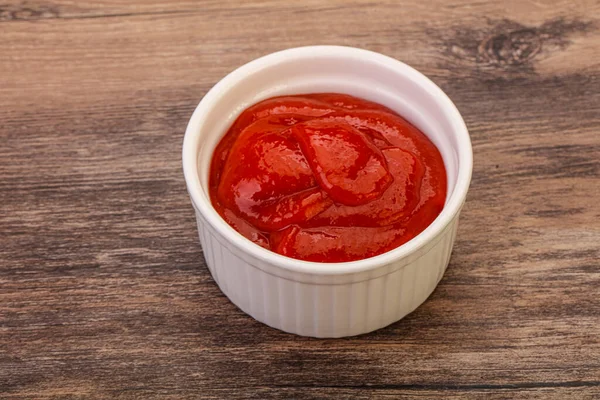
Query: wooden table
(103, 288)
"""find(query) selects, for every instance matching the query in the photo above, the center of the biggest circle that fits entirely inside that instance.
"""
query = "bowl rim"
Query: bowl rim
(203, 205)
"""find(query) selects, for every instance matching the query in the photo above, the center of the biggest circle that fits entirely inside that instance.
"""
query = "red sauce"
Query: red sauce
(326, 177)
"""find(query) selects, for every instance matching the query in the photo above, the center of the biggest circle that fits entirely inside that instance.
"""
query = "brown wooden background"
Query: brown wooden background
(103, 288)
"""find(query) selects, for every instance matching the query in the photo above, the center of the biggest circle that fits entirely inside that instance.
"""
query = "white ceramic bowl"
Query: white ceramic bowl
(327, 299)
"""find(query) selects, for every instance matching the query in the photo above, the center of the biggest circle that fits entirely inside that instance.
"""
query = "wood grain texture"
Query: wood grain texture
(103, 288)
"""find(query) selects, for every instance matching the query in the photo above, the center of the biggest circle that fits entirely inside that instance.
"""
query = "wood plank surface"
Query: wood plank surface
(104, 292)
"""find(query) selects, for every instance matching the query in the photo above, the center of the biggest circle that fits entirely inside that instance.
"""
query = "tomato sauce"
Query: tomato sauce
(326, 177)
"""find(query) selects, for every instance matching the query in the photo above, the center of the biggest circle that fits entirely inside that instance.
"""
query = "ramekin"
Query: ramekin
(327, 299)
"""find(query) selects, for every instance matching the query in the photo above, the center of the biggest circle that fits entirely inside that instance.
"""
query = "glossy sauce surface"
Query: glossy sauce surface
(326, 177)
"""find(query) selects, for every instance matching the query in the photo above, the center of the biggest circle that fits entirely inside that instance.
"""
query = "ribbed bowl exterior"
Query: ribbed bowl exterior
(347, 305)
(341, 299)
